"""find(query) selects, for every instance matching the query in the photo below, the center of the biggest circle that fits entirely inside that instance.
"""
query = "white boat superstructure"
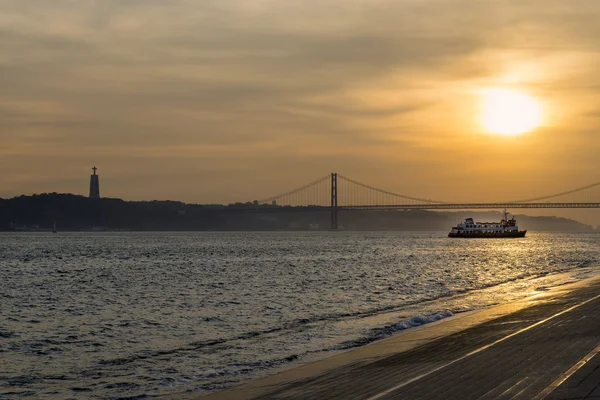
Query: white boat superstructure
(471, 229)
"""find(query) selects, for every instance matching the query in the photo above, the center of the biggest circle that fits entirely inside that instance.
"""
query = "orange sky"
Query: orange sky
(229, 100)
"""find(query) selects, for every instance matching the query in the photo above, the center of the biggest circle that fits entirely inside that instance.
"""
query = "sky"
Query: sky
(217, 101)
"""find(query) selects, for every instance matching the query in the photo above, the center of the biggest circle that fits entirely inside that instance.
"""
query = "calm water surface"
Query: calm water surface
(143, 314)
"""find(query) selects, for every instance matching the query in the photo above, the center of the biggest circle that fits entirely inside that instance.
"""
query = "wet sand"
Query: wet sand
(544, 346)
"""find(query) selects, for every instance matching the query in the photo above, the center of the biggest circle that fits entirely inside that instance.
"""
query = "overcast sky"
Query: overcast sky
(228, 100)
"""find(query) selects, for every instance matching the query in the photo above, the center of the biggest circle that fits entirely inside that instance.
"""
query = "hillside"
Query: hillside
(73, 212)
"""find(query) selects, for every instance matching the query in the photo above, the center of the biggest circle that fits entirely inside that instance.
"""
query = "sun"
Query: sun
(510, 112)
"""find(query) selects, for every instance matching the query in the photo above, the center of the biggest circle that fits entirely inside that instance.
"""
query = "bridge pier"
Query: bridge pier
(334, 201)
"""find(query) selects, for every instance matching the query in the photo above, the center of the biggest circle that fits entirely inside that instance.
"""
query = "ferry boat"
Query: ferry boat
(507, 228)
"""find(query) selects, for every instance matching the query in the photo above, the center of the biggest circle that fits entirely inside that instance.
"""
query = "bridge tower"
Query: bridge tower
(334, 201)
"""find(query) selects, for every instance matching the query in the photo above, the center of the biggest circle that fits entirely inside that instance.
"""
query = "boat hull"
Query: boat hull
(483, 235)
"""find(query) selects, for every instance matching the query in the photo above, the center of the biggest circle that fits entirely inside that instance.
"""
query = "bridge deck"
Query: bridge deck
(548, 348)
(471, 206)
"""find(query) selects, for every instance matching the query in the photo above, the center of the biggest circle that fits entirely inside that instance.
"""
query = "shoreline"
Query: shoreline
(398, 342)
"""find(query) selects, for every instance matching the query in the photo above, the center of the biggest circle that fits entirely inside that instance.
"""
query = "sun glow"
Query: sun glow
(509, 112)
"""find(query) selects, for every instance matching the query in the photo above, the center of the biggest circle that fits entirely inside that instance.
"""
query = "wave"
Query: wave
(375, 334)
(389, 330)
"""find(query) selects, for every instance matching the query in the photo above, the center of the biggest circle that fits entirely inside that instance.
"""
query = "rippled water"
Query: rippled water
(114, 315)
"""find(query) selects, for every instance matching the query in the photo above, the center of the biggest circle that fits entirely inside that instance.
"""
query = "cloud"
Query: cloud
(234, 88)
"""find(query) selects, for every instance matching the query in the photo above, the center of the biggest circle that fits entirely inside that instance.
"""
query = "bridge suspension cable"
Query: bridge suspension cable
(551, 196)
(303, 194)
(388, 193)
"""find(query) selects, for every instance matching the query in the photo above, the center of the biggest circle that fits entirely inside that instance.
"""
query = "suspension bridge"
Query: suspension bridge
(335, 192)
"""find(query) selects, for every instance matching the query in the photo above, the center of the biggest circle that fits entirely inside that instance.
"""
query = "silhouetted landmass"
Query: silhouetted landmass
(73, 212)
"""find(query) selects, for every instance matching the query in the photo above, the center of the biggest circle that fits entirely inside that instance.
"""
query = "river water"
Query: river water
(118, 315)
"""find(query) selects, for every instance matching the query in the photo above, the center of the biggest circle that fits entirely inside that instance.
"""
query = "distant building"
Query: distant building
(94, 185)
(274, 203)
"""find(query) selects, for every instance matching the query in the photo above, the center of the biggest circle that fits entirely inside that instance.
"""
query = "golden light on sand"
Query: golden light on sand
(510, 112)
